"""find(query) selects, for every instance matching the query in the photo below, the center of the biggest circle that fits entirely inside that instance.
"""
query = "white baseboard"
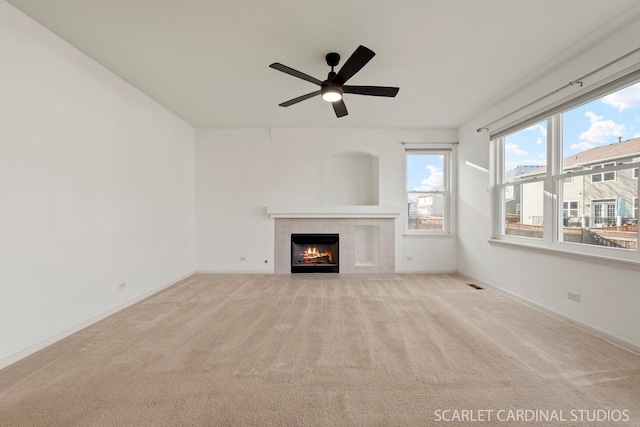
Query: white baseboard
(401, 271)
(234, 272)
(397, 271)
(8, 360)
(608, 336)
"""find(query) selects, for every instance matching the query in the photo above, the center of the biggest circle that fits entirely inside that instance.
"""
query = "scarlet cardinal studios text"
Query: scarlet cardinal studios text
(531, 415)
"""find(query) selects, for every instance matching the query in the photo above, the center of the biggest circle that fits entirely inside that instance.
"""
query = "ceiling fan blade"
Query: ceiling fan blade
(295, 73)
(340, 108)
(300, 98)
(356, 61)
(372, 90)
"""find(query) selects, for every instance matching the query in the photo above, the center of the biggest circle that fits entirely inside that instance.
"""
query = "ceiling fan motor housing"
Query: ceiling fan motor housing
(333, 59)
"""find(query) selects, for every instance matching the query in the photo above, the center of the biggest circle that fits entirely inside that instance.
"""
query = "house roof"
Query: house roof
(600, 154)
(515, 173)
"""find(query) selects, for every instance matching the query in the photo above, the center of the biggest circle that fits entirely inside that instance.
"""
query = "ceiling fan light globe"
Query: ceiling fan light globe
(331, 96)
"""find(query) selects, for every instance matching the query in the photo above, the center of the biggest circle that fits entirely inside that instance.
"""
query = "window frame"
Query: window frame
(500, 182)
(448, 153)
(604, 204)
(568, 209)
(602, 174)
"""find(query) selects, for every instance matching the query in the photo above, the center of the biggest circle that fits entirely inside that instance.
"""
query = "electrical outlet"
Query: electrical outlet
(122, 285)
(573, 296)
(243, 258)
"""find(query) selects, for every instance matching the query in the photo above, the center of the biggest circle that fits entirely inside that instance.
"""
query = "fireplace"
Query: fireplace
(314, 253)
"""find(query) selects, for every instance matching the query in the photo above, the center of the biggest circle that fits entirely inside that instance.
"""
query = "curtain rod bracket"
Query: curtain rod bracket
(481, 129)
(576, 82)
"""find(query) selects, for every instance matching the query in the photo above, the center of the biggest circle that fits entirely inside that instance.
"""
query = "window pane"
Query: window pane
(426, 211)
(604, 216)
(599, 135)
(523, 212)
(425, 172)
(525, 152)
(601, 130)
(427, 190)
(570, 212)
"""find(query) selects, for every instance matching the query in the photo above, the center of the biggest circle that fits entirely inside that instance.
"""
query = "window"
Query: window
(570, 209)
(603, 176)
(523, 183)
(571, 214)
(428, 191)
(574, 177)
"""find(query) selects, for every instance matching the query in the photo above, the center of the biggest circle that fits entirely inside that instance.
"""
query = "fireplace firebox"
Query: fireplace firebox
(315, 253)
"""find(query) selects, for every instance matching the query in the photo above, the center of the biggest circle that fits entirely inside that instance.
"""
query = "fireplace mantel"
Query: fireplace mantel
(352, 211)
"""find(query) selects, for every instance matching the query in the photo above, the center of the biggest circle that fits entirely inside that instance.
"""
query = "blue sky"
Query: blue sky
(599, 122)
(424, 172)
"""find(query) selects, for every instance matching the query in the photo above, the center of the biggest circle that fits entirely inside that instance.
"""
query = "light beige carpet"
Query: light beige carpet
(324, 350)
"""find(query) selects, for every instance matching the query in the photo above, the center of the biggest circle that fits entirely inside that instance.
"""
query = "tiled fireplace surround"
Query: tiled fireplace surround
(379, 232)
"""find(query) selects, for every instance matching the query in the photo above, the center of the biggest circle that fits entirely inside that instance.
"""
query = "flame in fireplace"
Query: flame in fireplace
(312, 254)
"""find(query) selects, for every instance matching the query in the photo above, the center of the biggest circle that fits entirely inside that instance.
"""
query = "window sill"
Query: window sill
(431, 234)
(567, 252)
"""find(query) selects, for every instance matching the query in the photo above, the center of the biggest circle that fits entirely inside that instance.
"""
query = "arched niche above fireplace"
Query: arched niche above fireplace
(352, 178)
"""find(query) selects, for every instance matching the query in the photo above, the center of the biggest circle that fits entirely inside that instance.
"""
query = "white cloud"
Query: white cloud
(626, 98)
(600, 131)
(434, 180)
(637, 135)
(582, 146)
(540, 127)
(515, 149)
(539, 141)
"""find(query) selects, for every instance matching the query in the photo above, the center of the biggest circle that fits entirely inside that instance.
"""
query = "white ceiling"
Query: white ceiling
(207, 60)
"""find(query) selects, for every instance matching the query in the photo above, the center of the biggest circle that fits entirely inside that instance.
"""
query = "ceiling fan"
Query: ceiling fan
(334, 86)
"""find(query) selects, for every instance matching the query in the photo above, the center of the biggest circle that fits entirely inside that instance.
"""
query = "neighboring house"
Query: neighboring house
(512, 193)
(601, 199)
(427, 205)
(430, 205)
(426, 211)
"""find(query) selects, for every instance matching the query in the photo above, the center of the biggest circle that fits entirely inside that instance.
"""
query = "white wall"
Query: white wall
(610, 291)
(351, 179)
(96, 185)
(240, 172)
